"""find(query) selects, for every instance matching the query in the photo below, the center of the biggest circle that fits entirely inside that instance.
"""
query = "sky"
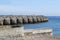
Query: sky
(30, 7)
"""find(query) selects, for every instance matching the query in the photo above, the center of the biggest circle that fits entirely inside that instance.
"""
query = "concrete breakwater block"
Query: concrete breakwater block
(12, 20)
(9, 31)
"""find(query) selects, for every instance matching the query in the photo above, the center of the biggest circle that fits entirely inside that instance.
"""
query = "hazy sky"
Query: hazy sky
(30, 7)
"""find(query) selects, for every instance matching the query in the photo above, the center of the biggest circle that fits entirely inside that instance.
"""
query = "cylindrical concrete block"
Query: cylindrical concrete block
(13, 20)
(19, 20)
(25, 19)
(41, 18)
(34, 19)
(1, 20)
(45, 19)
(38, 19)
(30, 19)
(6, 21)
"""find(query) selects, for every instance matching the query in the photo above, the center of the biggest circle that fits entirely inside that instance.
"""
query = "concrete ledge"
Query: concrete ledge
(39, 30)
(7, 30)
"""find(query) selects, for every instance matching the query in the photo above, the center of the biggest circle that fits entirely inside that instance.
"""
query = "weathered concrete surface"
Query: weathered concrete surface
(19, 20)
(6, 21)
(47, 31)
(14, 30)
(1, 20)
(25, 19)
(9, 33)
(10, 30)
(31, 37)
(13, 20)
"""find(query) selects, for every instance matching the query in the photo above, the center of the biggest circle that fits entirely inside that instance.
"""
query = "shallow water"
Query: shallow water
(53, 22)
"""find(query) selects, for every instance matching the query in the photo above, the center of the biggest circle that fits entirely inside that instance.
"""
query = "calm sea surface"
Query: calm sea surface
(53, 22)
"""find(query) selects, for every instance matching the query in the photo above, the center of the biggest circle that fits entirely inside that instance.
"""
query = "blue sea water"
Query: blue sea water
(53, 22)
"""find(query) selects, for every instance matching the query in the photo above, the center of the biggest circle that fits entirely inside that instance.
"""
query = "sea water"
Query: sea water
(53, 22)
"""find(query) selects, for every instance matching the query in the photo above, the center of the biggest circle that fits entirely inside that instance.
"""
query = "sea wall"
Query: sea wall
(21, 19)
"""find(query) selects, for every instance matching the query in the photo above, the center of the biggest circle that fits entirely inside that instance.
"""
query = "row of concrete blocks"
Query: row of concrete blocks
(12, 20)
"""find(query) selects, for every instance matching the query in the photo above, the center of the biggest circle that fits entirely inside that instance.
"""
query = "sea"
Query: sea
(53, 22)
